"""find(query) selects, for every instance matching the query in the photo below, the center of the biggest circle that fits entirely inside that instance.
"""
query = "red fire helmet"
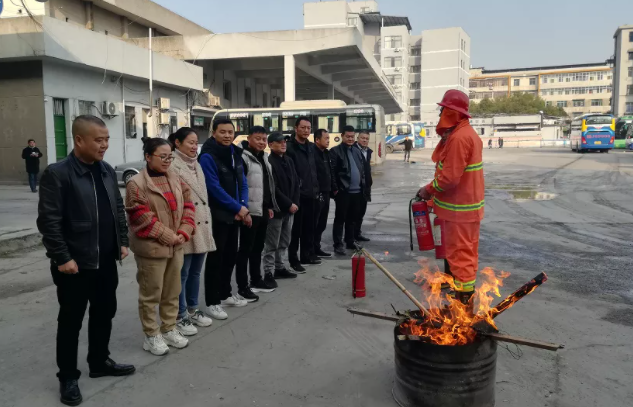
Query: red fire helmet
(456, 100)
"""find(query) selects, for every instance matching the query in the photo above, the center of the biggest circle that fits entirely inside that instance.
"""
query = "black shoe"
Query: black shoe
(351, 246)
(321, 253)
(69, 391)
(297, 267)
(311, 261)
(284, 273)
(111, 368)
(270, 280)
(248, 295)
(261, 286)
(340, 250)
(361, 238)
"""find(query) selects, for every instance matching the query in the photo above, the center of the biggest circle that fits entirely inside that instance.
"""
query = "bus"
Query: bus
(398, 131)
(331, 115)
(592, 132)
(623, 129)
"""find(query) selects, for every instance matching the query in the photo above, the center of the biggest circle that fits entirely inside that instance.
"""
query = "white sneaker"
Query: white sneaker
(175, 339)
(155, 345)
(185, 326)
(234, 301)
(217, 312)
(198, 318)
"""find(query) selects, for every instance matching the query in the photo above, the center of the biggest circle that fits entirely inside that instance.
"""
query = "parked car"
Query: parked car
(628, 142)
(124, 172)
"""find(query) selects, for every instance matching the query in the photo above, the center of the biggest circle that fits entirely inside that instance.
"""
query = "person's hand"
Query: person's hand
(294, 208)
(243, 212)
(69, 268)
(248, 221)
(175, 241)
(181, 239)
(424, 194)
(271, 214)
(124, 252)
(238, 217)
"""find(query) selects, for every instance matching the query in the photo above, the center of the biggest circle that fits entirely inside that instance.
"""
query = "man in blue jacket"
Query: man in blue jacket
(223, 169)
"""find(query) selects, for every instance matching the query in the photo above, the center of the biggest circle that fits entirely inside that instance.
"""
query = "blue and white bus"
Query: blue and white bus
(398, 131)
(592, 132)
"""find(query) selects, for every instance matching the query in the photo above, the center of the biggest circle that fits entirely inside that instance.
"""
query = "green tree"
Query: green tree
(518, 103)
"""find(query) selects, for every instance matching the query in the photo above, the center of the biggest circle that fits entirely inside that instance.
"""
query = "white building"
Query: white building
(421, 68)
(623, 71)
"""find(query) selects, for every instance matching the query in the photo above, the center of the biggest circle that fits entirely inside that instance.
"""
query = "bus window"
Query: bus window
(390, 130)
(328, 122)
(269, 121)
(593, 120)
(241, 121)
(290, 118)
(361, 119)
(404, 129)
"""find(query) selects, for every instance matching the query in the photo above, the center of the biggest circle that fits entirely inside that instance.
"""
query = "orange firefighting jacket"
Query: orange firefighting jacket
(458, 186)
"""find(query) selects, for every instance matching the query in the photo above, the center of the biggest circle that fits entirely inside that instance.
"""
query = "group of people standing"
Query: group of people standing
(499, 142)
(227, 207)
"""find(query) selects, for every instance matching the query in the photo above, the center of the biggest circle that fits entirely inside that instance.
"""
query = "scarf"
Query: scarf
(191, 162)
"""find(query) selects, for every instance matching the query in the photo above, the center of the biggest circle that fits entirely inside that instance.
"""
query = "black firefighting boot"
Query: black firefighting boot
(466, 298)
(446, 287)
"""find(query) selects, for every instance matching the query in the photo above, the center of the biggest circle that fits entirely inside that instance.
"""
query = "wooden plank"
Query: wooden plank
(372, 314)
(523, 341)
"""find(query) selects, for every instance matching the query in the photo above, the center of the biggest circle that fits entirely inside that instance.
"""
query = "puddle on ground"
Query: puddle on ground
(518, 192)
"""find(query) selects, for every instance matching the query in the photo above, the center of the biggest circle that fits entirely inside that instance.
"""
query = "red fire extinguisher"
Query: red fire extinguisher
(438, 235)
(358, 275)
(419, 215)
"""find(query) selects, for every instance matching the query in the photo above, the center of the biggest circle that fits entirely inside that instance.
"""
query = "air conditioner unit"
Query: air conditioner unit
(396, 50)
(163, 103)
(110, 109)
(165, 118)
(397, 69)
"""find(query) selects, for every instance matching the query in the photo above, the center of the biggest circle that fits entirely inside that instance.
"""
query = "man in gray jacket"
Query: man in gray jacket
(262, 206)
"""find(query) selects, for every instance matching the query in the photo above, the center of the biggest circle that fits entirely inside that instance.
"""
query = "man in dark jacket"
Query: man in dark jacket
(327, 186)
(31, 155)
(366, 152)
(349, 172)
(287, 197)
(82, 221)
(223, 169)
(303, 156)
(408, 146)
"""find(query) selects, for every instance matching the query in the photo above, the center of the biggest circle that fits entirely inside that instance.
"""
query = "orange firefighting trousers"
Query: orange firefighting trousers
(462, 253)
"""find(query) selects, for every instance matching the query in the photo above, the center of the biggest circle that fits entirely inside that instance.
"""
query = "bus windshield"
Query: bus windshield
(404, 129)
(361, 119)
(592, 120)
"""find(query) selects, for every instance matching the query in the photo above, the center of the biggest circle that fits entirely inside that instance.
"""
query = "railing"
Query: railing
(512, 143)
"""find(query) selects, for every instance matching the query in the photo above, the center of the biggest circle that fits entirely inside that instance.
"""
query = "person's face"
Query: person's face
(324, 141)
(348, 138)
(161, 159)
(363, 140)
(303, 129)
(257, 141)
(224, 134)
(31, 143)
(278, 147)
(189, 145)
(92, 145)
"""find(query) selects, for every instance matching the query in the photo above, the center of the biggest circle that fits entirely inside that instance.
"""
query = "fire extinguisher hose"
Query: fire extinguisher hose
(411, 221)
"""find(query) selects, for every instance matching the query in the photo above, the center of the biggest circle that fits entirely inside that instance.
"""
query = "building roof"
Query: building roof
(386, 21)
(541, 68)
(622, 28)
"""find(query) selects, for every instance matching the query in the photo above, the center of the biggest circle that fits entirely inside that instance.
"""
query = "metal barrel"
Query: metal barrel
(429, 375)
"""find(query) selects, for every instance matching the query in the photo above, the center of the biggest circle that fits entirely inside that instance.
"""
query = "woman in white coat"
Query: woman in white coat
(185, 142)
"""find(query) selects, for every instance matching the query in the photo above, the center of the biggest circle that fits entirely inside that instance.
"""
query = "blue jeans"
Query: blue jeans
(190, 279)
(33, 181)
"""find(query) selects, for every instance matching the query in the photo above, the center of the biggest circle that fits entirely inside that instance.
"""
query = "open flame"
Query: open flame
(450, 321)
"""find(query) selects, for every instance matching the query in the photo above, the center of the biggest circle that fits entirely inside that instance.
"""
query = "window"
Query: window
(629, 107)
(545, 79)
(579, 102)
(415, 85)
(414, 102)
(548, 103)
(482, 131)
(561, 103)
(596, 102)
(418, 69)
(416, 51)
(629, 89)
(352, 21)
(365, 10)
(517, 82)
(227, 90)
(631, 36)
(414, 117)
(630, 72)
(247, 96)
(394, 41)
(393, 62)
(630, 56)
(532, 81)
(600, 76)
(395, 79)
(130, 122)
(85, 107)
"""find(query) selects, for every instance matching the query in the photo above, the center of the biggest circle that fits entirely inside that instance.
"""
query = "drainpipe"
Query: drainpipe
(124, 129)
(151, 76)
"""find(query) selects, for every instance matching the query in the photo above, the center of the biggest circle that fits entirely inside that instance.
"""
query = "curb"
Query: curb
(19, 243)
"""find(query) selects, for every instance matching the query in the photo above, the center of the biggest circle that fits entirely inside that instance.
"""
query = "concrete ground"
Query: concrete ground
(299, 347)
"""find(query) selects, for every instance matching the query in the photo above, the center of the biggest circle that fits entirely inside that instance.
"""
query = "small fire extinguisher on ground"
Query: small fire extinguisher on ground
(358, 275)
(419, 216)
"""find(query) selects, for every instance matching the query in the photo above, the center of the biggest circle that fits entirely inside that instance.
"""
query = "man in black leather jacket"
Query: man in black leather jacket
(82, 220)
(366, 152)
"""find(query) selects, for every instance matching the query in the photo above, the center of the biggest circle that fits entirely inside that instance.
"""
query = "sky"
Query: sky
(504, 33)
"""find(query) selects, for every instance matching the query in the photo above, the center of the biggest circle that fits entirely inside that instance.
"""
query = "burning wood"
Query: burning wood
(526, 289)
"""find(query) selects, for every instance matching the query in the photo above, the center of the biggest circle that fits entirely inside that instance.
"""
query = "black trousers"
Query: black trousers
(218, 269)
(346, 217)
(303, 230)
(74, 292)
(362, 210)
(321, 218)
(249, 255)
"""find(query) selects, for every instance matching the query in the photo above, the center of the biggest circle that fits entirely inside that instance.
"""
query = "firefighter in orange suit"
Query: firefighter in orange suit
(457, 191)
